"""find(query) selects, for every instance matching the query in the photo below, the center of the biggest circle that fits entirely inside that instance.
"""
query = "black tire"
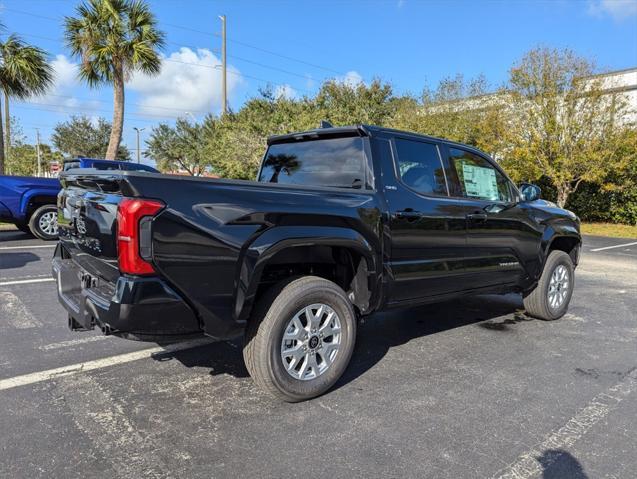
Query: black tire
(35, 224)
(537, 303)
(264, 335)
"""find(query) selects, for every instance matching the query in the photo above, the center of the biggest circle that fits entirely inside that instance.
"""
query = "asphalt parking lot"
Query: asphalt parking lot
(471, 388)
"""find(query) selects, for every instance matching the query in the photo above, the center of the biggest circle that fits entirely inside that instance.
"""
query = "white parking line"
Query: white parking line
(527, 465)
(26, 281)
(616, 246)
(40, 376)
(28, 247)
(13, 311)
(72, 342)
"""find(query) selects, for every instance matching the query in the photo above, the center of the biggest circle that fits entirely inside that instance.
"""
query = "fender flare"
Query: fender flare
(555, 231)
(256, 255)
(29, 195)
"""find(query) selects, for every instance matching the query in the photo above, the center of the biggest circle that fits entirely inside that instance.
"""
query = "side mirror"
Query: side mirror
(530, 192)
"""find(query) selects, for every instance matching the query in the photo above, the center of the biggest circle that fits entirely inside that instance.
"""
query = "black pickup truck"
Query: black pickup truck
(341, 222)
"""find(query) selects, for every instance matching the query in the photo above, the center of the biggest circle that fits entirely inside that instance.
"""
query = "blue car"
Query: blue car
(30, 202)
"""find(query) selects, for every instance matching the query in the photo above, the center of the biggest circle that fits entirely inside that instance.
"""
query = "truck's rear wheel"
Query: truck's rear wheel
(44, 222)
(550, 299)
(300, 338)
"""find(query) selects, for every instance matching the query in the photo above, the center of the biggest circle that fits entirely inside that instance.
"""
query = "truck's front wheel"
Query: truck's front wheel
(300, 338)
(552, 295)
(44, 222)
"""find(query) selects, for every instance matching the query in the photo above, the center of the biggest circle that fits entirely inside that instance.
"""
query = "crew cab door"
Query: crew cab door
(427, 229)
(502, 241)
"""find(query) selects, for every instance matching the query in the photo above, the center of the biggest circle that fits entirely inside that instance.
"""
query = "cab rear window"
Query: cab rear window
(336, 162)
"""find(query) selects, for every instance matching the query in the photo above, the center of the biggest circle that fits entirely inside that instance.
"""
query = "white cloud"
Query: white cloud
(351, 79)
(61, 96)
(189, 81)
(285, 91)
(618, 9)
(65, 71)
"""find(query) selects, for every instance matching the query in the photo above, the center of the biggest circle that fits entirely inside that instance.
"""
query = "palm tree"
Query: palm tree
(114, 38)
(24, 72)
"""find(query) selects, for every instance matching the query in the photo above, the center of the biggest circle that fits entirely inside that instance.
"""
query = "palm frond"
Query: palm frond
(24, 70)
(112, 38)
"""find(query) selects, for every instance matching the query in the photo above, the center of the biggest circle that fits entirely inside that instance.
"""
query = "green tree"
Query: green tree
(24, 72)
(79, 136)
(114, 38)
(24, 160)
(235, 143)
(178, 147)
(346, 104)
(564, 123)
(457, 110)
(615, 198)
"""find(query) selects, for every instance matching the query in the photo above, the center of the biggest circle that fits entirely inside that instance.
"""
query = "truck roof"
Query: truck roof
(360, 130)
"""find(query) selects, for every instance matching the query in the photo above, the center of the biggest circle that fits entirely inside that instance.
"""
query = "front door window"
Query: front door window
(478, 179)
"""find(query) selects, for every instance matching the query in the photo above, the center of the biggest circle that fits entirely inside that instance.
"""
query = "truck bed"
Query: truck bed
(206, 242)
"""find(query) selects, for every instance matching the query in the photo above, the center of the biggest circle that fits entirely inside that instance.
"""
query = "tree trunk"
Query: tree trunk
(2, 159)
(563, 193)
(118, 116)
(7, 118)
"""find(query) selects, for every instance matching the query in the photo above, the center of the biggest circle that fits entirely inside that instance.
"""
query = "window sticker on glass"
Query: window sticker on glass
(480, 182)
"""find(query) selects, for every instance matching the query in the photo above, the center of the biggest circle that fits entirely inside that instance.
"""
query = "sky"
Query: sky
(292, 46)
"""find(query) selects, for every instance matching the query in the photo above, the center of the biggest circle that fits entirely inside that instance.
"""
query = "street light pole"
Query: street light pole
(37, 147)
(138, 150)
(224, 68)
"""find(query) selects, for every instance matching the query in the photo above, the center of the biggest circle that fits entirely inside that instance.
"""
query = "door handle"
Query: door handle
(408, 214)
(477, 217)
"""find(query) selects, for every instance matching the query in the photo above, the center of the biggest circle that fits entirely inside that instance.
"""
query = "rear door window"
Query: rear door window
(336, 162)
(477, 178)
(419, 167)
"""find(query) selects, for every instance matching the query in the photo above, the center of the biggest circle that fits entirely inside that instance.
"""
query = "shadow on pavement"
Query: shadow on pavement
(17, 260)
(222, 357)
(558, 464)
(383, 331)
(13, 235)
(379, 333)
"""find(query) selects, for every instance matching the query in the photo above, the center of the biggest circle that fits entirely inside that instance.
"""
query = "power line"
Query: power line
(269, 52)
(81, 107)
(269, 82)
(130, 104)
(285, 56)
(245, 44)
(22, 12)
(268, 67)
(57, 110)
(170, 60)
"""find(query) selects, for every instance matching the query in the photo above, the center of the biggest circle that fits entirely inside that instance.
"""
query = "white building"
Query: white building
(619, 81)
(624, 81)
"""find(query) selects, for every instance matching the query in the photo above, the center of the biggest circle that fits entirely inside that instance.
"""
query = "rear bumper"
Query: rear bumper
(134, 307)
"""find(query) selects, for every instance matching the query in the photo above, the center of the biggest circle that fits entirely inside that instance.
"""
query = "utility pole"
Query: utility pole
(138, 150)
(224, 66)
(37, 149)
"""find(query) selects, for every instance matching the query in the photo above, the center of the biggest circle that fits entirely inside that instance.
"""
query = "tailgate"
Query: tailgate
(87, 219)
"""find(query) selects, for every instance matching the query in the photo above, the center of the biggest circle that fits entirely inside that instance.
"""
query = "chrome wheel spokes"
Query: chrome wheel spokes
(311, 341)
(48, 223)
(559, 286)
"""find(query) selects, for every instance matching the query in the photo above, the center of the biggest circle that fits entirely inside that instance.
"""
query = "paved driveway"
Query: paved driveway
(471, 388)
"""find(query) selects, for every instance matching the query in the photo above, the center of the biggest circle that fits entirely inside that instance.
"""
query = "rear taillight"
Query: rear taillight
(133, 234)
